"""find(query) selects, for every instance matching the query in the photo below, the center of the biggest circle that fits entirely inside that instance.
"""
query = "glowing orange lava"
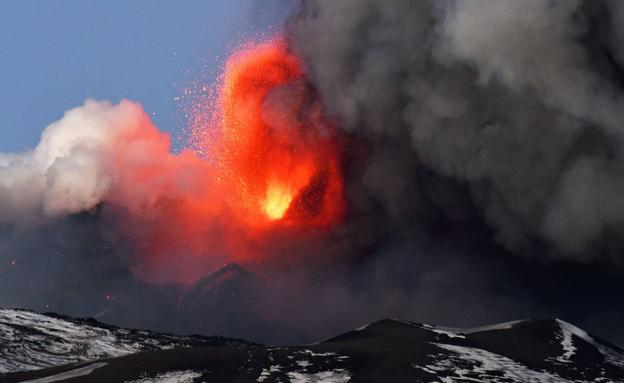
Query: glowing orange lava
(277, 156)
(277, 201)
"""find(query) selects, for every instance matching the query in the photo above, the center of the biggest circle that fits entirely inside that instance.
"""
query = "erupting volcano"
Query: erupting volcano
(439, 161)
(266, 160)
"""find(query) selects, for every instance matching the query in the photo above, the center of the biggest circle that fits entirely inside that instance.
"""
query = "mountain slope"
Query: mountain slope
(385, 351)
(30, 340)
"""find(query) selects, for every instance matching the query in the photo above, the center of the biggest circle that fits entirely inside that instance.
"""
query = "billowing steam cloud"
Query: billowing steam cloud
(522, 100)
(94, 154)
(403, 158)
(71, 168)
(102, 153)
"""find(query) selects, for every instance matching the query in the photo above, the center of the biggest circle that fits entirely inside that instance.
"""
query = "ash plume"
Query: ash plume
(519, 100)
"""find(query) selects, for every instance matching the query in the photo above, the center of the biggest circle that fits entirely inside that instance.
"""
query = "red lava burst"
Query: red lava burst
(276, 155)
(269, 161)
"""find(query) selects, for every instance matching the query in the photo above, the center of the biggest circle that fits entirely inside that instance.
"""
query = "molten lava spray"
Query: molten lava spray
(277, 158)
(270, 161)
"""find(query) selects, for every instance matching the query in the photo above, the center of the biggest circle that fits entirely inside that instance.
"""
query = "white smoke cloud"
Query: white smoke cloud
(75, 164)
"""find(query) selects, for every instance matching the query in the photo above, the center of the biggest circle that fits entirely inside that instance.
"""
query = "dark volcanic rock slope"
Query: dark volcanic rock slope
(385, 351)
(30, 341)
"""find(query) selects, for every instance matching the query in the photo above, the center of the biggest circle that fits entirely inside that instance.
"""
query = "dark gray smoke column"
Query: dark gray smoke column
(520, 100)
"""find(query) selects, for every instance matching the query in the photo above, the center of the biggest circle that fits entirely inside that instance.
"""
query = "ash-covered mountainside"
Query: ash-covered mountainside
(30, 341)
(548, 350)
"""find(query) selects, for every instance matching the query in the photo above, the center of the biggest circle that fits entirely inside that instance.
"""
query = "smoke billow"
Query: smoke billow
(508, 97)
(475, 143)
(90, 156)
(68, 171)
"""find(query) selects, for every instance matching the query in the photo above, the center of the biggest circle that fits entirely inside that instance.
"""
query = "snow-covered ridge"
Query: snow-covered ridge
(457, 332)
(462, 332)
(569, 331)
(30, 341)
(492, 327)
(537, 351)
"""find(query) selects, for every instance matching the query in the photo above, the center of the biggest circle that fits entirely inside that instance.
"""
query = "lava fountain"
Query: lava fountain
(277, 157)
(266, 165)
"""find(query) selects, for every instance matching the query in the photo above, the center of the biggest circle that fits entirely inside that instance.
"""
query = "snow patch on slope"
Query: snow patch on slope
(266, 373)
(448, 331)
(456, 332)
(171, 377)
(493, 327)
(334, 376)
(474, 364)
(75, 373)
(567, 343)
(569, 349)
(30, 341)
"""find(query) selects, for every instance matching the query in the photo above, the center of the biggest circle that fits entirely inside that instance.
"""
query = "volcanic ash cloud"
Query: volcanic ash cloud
(520, 100)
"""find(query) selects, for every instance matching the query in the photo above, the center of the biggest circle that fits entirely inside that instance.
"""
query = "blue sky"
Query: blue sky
(55, 54)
